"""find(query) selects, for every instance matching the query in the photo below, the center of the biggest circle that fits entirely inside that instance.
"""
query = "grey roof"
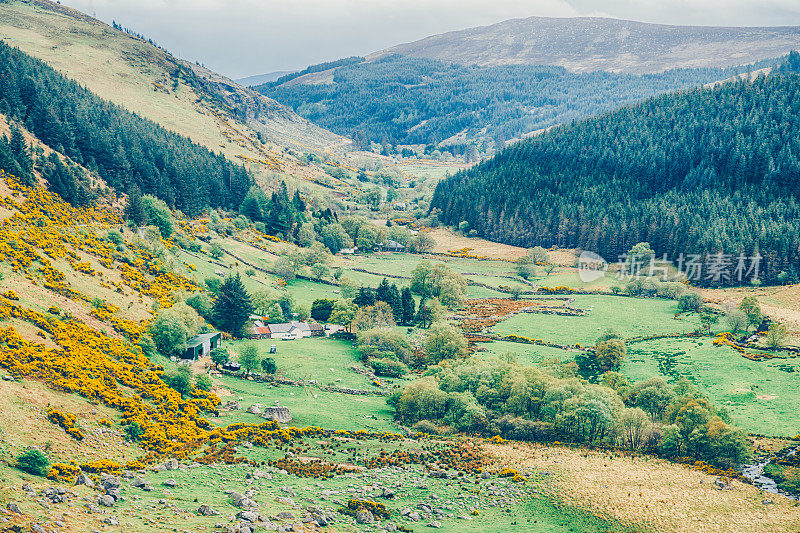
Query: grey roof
(287, 327)
(197, 340)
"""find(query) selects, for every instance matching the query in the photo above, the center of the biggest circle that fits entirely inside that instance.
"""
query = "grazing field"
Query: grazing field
(309, 406)
(327, 361)
(762, 396)
(629, 317)
(524, 354)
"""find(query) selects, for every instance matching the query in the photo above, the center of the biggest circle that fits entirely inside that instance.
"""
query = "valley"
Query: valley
(218, 315)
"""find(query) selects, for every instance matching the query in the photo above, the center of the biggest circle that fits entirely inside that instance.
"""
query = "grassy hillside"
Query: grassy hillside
(683, 172)
(585, 44)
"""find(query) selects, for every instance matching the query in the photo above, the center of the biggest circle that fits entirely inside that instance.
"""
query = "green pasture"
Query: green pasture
(762, 396)
(629, 317)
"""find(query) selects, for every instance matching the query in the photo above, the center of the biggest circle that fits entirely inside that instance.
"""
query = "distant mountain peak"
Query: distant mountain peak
(585, 44)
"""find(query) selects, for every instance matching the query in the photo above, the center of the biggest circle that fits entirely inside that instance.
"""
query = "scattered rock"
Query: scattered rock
(388, 493)
(111, 520)
(106, 501)
(138, 482)
(435, 524)
(250, 516)
(14, 508)
(285, 515)
(172, 464)
(364, 516)
(206, 510)
(169, 482)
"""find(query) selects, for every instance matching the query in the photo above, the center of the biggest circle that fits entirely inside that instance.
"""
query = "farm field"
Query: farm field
(762, 396)
(524, 354)
(629, 317)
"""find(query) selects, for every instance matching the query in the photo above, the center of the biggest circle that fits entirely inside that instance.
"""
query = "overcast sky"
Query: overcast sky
(244, 37)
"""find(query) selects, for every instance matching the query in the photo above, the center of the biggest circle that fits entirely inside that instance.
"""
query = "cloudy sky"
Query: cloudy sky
(245, 37)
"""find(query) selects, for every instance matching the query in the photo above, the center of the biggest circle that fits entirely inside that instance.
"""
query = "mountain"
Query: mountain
(184, 97)
(259, 79)
(701, 172)
(591, 44)
(398, 100)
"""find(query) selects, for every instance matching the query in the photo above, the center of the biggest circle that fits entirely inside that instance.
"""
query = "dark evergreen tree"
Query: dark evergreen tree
(365, 297)
(408, 303)
(232, 307)
(134, 210)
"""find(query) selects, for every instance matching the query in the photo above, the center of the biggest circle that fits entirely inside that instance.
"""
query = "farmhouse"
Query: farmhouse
(201, 345)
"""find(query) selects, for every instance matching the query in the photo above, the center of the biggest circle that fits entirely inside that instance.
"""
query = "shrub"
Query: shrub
(388, 367)
(133, 431)
(34, 462)
(268, 365)
(180, 380)
(426, 426)
(220, 356)
(203, 383)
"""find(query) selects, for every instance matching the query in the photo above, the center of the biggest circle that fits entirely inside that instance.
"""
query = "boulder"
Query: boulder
(14, 508)
(364, 516)
(250, 516)
(169, 482)
(255, 409)
(106, 501)
(172, 464)
(138, 482)
(206, 510)
(285, 515)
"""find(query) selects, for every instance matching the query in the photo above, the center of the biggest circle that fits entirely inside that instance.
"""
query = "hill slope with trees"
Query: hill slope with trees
(405, 100)
(702, 172)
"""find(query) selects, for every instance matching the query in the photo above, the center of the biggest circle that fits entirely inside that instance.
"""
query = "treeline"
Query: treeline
(124, 149)
(552, 404)
(701, 172)
(403, 100)
(312, 69)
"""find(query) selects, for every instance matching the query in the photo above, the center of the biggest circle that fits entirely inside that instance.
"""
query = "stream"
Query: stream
(755, 473)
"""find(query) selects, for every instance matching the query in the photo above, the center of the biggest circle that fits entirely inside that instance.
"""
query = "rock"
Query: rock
(169, 482)
(115, 493)
(289, 491)
(36, 528)
(767, 502)
(286, 501)
(285, 515)
(388, 493)
(405, 511)
(250, 516)
(111, 520)
(206, 510)
(364, 516)
(255, 409)
(92, 508)
(27, 487)
(106, 501)
(435, 524)
(232, 405)
(138, 482)
(109, 482)
(7, 377)
(14, 508)
(390, 527)
(172, 464)
(413, 516)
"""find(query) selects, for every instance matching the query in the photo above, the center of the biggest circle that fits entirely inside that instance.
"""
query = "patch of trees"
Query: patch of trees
(403, 100)
(124, 149)
(281, 214)
(703, 172)
(550, 403)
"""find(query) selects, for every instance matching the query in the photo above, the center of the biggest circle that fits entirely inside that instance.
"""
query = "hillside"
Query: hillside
(409, 101)
(591, 44)
(183, 97)
(703, 172)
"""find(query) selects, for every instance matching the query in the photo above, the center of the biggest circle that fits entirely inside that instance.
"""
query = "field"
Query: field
(629, 317)
(762, 396)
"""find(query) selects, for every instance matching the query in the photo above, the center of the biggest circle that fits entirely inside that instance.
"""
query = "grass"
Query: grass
(309, 406)
(326, 360)
(648, 493)
(629, 317)
(762, 396)
(524, 354)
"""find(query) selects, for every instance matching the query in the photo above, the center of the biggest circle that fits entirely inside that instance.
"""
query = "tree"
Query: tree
(268, 365)
(169, 333)
(367, 237)
(344, 312)
(179, 380)
(220, 356)
(335, 238)
(216, 251)
(736, 319)
(632, 425)
(249, 358)
(134, 210)
(437, 281)
(708, 318)
(653, 396)
(444, 342)
(232, 307)
(752, 310)
(284, 268)
(319, 270)
(690, 302)
(607, 356)
(421, 243)
(430, 311)
(379, 315)
(380, 343)
(33, 461)
(307, 236)
(159, 215)
(409, 306)
(365, 297)
(776, 335)
(321, 309)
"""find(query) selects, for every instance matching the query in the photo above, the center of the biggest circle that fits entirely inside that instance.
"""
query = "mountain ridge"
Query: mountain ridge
(585, 44)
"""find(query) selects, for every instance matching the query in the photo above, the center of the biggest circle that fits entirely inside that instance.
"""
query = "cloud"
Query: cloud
(244, 37)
